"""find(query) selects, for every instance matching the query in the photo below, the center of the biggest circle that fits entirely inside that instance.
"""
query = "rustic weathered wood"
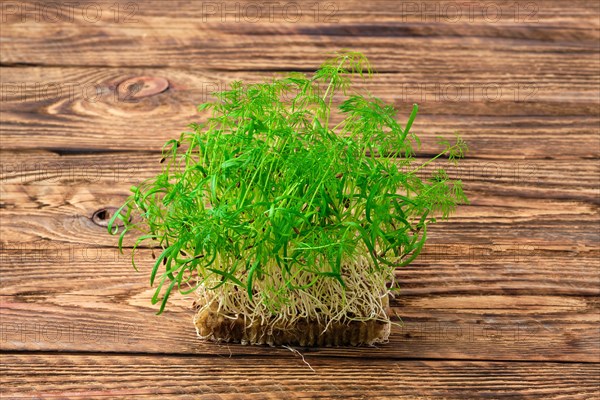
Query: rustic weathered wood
(505, 274)
(47, 197)
(71, 225)
(118, 317)
(513, 277)
(442, 269)
(178, 36)
(541, 178)
(520, 177)
(581, 12)
(116, 376)
(495, 111)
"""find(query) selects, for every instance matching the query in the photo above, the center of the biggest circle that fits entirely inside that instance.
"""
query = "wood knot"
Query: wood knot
(142, 86)
(103, 215)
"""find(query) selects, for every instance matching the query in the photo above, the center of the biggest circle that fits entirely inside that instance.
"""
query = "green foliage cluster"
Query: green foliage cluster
(267, 183)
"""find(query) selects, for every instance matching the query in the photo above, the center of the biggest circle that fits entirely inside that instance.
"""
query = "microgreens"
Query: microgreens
(268, 189)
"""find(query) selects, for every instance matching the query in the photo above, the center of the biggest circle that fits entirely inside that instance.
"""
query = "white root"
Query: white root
(274, 305)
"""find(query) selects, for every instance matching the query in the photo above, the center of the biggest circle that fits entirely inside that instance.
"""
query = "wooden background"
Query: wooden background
(503, 303)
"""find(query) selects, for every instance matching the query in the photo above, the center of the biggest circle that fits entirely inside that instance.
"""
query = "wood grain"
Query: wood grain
(547, 231)
(527, 178)
(581, 12)
(442, 269)
(91, 376)
(50, 197)
(504, 302)
(71, 222)
(527, 282)
(80, 108)
(403, 41)
(110, 311)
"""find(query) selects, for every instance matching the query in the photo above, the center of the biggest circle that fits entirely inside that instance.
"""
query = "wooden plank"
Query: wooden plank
(549, 227)
(117, 316)
(402, 40)
(79, 108)
(93, 376)
(512, 278)
(444, 12)
(543, 257)
(571, 180)
(574, 180)
(53, 199)
(48, 201)
(443, 269)
(32, 88)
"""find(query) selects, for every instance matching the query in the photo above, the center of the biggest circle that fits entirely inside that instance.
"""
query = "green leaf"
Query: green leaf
(251, 272)
(409, 123)
(269, 186)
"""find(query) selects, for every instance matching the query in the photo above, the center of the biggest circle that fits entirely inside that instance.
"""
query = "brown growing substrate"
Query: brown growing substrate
(213, 325)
